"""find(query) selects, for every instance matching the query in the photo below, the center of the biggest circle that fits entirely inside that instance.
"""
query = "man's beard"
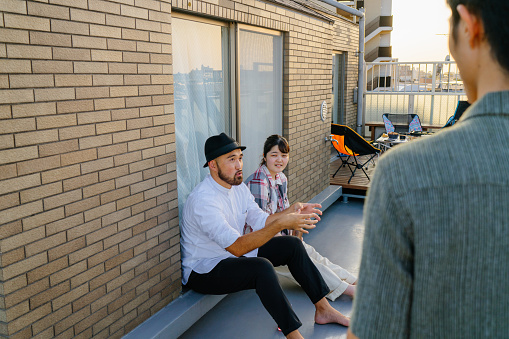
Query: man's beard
(235, 181)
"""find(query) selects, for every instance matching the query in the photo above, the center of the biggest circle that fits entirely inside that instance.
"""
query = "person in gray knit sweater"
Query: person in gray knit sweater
(436, 248)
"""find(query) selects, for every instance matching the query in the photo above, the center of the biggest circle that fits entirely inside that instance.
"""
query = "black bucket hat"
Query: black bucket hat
(217, 145)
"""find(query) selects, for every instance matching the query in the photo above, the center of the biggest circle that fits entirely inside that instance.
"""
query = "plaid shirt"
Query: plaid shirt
(269, 194)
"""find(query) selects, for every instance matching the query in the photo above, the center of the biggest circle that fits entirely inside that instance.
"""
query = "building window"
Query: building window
(227, 78)
(261, 91)
(338, 88)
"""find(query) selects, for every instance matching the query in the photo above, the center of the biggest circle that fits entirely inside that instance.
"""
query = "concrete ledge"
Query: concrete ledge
(179, 315)
(328, 196)
(176, 317)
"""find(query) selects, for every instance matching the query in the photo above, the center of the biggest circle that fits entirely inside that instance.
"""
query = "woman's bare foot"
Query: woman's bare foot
(295, 335)
(326, 314)
(350, 290)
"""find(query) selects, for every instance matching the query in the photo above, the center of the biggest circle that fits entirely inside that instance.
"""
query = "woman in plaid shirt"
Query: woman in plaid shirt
(269, 186)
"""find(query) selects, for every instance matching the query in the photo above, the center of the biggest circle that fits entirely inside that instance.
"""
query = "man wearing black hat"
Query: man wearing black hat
(218, 259)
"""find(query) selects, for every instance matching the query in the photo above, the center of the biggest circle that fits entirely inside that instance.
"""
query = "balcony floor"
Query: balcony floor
(338, 236)
(359, 181)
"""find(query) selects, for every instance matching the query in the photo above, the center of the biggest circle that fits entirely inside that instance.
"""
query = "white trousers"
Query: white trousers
(335, 276)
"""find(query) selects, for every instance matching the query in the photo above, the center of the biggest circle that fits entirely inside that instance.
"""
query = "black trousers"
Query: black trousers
(237, 274)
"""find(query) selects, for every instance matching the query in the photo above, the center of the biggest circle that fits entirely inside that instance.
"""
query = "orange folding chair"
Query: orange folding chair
(347, 142)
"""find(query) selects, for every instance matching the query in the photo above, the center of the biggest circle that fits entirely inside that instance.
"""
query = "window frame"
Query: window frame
(238, 27)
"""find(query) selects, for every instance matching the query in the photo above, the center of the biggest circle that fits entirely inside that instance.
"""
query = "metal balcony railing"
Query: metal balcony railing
(429, 89)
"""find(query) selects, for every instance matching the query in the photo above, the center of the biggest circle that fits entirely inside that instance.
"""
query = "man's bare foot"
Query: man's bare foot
(326, 314)
(295, 335)
(350, 290)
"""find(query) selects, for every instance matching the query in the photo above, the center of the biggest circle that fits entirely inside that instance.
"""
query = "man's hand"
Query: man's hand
(276, 223)
(307, 208)
(297, 221)
(300, 218)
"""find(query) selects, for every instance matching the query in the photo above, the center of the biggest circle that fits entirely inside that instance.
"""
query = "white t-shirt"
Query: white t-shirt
(213, 219)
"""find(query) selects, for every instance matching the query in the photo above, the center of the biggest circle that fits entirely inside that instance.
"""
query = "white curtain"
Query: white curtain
(261, 92)
(201, 84)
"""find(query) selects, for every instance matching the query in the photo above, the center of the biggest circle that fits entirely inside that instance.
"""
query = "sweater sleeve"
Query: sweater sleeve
(383, 298)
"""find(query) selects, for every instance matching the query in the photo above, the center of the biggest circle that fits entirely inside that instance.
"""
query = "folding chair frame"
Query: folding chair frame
(356, 163)
(343, 162)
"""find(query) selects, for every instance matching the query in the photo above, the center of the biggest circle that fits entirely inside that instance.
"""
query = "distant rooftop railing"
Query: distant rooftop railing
(429, 89)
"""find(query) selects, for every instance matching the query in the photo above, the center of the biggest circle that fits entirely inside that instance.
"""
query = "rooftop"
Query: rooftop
(338, 237)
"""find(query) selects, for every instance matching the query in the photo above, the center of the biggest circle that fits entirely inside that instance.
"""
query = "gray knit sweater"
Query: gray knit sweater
(435, 260)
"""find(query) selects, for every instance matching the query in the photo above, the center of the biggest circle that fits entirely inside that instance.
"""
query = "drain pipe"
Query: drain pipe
(362, 74)
(361, 81)
(344, 8)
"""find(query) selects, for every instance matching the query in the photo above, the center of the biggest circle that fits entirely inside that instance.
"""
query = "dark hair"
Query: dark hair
(493, 14)
(275, 140)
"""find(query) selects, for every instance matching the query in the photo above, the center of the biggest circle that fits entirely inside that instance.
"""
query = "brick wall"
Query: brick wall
(89, 235)
(310, 83)
(309, 66)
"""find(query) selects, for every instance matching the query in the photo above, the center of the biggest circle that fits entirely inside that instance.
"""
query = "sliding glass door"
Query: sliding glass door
(261, 90)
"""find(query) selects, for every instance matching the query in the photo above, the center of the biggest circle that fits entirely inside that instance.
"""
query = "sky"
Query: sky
(420, 30)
